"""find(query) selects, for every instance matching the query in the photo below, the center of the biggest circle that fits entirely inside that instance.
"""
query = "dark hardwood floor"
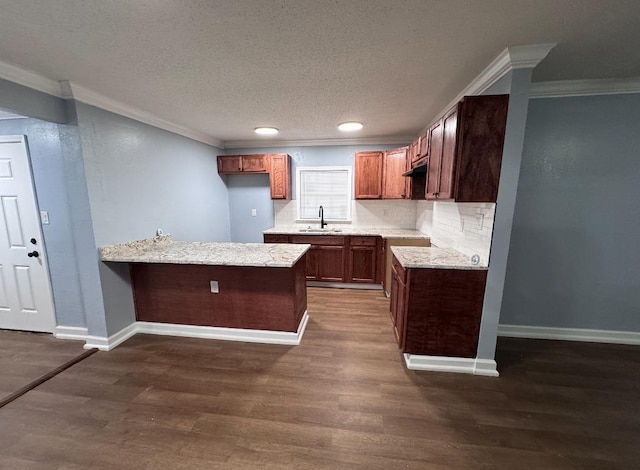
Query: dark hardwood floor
(341, 400)
(26, 356)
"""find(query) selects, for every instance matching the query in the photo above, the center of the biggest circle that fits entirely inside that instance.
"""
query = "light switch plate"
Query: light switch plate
(214, 287)
(44, 217)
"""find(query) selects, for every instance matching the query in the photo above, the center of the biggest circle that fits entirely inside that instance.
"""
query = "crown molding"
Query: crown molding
(392, 140)
(84, 95)
(24, 77)
(566, 88)
(514, 57)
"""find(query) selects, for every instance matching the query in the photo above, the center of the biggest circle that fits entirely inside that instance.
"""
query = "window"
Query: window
(329, 187)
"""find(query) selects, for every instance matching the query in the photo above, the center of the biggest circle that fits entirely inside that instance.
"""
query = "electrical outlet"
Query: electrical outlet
(254, 212)
(214, 287)
(159, 232)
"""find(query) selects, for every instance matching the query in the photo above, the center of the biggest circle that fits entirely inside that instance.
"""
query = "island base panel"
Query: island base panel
(253, 298)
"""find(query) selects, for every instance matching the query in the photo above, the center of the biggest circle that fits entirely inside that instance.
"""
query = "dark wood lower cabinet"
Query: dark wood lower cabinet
(339, 258)
(437, 312)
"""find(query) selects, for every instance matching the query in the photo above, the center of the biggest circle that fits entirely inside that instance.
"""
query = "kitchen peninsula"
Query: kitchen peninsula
(242, 291)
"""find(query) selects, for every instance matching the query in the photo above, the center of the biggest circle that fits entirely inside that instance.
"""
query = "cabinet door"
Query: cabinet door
(447, 165)
(424, 145)
(394, 185)
(368, 175)
(254, 163)
(311, 260)
(331, 263)
(280, 176)
(435, 159)
(362, 264)
(229, 164)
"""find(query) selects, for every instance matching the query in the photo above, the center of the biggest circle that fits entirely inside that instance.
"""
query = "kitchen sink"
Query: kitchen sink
(319, 230)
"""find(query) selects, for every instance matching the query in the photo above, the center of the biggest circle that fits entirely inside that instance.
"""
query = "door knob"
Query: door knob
(33, 241)
(33, 254)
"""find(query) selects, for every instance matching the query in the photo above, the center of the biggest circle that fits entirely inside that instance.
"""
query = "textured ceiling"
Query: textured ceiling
(225, 67)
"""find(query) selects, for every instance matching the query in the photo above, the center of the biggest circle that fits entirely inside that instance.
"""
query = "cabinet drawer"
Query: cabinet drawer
(400, 271)
(325, 240)
(269, 238)
(363, 241)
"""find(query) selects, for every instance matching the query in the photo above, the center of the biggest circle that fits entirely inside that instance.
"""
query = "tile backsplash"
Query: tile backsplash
(378, 214)
(466, 227)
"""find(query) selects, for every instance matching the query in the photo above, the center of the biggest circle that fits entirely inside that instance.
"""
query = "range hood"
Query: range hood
(419, 170)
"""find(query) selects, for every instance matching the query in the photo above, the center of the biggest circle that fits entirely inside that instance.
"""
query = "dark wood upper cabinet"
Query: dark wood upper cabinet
(229, 164)
(254, 163)
(435, 159)
(394, 185)
(280, 176)
(466, 150)
(277, 165)
(424, 146)
(368, 175)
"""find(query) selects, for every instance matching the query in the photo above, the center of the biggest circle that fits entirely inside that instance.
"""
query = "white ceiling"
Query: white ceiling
(224, 67)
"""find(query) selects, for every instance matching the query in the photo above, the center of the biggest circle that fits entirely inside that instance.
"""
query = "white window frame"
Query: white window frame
(347, 169)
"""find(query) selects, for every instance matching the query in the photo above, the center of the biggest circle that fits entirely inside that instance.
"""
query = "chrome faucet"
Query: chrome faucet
(321, 215)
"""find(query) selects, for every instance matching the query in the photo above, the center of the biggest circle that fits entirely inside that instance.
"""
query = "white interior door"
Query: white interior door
(25, 291)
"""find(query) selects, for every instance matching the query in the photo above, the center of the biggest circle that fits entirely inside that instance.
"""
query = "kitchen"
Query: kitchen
(106, 175)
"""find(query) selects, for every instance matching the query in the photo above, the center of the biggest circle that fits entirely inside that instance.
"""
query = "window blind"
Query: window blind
(329, 188)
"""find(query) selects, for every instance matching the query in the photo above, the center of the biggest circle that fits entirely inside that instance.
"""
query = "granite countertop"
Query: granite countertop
(434, 258)
(362, 231)
(164, 250)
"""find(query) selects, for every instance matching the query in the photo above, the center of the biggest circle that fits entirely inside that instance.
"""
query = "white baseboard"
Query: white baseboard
(107, 344)
(192, 331)
(462, 365)
(226, 334)
(344, 285)
(569, 334)
(78, 333)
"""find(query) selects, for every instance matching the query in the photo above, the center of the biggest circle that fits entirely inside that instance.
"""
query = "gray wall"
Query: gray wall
(574, 260)
(141, 178)
(247, 192)
(43, 140)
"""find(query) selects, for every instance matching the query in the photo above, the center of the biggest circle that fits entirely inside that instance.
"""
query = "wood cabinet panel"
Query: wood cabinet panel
(435, 159)
(280, 176)
(449, 123)
(255, 298)
(311, 260)
(368, 175)
(363, 264)
(482, 122)
(331, 263)
(441, 310)
(394, 185)
(254, 163)
(229, 164)
(275, 238)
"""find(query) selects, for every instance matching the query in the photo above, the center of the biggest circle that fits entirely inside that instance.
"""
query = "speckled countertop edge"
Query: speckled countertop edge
(362, 231)
(165, 250)
(434, 258)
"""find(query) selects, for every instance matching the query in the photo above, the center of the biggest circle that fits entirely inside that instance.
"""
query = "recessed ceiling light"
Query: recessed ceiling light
(266, 130)
(350, 126)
